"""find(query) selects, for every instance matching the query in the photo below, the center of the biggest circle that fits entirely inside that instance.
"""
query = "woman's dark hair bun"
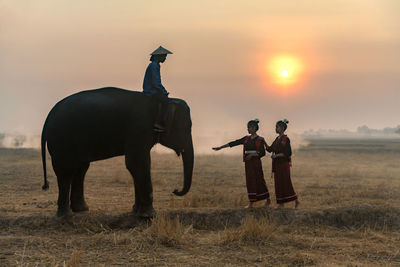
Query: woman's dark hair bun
(253, 122)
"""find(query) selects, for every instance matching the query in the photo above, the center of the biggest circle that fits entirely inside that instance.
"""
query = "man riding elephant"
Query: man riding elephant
(103, 123)
(152, 85)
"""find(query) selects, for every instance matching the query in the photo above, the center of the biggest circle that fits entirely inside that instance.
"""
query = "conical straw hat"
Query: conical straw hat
(161, 51)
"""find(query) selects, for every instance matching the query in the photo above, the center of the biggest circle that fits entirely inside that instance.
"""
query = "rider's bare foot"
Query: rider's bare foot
(297, 204)
(267, 203)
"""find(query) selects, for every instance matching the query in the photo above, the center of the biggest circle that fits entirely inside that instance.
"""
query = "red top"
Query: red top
(259, 146)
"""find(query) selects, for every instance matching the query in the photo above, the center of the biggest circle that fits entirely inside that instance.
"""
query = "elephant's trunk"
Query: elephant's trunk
(188, 161)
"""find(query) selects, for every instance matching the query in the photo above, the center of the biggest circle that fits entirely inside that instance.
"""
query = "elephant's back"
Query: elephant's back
(95, 102)
(103, 97)
(89, 118)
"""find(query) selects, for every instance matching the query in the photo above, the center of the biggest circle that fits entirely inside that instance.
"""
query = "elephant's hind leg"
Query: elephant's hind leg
(64, 178)
(78, 203)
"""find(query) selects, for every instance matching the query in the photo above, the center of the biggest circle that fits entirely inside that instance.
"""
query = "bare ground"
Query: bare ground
(350, 213)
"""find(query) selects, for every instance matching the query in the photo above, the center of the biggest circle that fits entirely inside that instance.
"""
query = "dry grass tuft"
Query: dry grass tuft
(75, 259)
(166, 231)
(251, 230)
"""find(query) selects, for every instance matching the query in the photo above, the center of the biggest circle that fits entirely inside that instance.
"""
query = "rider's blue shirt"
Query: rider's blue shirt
(152, 80)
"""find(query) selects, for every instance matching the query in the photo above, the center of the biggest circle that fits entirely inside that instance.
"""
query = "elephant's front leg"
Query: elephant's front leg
(138, 165)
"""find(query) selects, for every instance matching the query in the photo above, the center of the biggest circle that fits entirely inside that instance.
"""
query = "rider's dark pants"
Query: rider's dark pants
(162, 108)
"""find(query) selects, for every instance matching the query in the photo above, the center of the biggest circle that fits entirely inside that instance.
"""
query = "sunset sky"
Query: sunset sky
(344, 55)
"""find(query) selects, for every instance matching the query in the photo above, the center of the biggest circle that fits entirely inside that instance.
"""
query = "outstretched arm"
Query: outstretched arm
(220, 147)
(231, 144)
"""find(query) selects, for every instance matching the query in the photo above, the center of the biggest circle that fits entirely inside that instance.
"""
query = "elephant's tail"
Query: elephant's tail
(44, 139)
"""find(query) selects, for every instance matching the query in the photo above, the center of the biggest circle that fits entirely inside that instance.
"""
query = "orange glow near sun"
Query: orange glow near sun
(284, 69)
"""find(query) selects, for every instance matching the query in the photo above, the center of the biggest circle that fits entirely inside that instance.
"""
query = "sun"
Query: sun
(284, 69)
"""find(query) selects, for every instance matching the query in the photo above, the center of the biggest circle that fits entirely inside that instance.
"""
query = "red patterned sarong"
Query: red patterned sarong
(283, 184)
(256, 186)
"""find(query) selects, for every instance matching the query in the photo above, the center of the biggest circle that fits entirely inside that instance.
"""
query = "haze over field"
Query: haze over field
(348, 55)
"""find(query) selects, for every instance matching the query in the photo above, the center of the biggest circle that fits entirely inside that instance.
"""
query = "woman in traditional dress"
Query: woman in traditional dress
(281, 163)
(253, 151)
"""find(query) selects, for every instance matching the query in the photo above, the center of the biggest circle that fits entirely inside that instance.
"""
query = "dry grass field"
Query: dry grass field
(349, 213)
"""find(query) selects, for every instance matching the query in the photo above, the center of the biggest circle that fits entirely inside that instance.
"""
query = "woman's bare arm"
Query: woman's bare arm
(220, 147)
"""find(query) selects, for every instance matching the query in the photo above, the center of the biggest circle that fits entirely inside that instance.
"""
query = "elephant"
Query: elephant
(102, 123)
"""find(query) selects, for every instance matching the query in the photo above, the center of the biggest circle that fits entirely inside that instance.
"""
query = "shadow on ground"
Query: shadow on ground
(207, 219)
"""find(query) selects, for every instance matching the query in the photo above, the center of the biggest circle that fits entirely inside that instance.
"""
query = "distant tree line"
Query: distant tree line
(14, 141)
(362, 131)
